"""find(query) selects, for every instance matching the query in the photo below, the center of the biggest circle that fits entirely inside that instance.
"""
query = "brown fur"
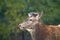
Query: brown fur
(43, 32)
(39, 31)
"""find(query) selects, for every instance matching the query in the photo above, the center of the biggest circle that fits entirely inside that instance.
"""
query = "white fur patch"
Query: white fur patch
(29, 30)
(59, 25)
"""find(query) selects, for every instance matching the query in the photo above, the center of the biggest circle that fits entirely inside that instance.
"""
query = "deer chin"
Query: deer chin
(21, 28)
(30, 30)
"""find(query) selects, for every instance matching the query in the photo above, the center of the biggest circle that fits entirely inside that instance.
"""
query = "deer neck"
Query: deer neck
(32, 33)
(36, 30)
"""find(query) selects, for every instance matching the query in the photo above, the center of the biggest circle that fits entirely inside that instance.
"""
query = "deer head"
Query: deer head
(33, 18)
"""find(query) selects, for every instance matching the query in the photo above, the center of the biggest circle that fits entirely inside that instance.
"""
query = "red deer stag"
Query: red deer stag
(38, 30)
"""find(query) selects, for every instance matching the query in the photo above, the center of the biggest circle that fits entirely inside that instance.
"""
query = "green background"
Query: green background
(13, 12)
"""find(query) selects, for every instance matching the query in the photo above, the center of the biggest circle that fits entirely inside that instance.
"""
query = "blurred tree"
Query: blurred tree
(13, 12)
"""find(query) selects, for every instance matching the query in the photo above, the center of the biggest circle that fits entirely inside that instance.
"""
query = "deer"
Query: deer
(38, 30)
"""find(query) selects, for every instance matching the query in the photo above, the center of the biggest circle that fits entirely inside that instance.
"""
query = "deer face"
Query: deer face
(33, 18)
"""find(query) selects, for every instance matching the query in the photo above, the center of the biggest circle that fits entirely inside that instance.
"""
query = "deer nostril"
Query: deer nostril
(23, 27)
(19, 25)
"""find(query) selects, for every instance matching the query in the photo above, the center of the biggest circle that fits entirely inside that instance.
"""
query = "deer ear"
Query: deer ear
(37, 16)
(40, 14)
(29, 14)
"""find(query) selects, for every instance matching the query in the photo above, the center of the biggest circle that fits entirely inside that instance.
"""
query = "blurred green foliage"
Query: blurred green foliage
(13, 12)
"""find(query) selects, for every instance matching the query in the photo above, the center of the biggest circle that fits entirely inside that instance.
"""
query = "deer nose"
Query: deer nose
(19, 25)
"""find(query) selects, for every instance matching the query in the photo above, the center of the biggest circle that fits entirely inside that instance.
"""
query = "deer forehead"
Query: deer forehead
(34, 18)
(32, 14)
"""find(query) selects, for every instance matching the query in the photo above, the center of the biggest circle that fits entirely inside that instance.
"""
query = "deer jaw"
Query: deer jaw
(28, 25)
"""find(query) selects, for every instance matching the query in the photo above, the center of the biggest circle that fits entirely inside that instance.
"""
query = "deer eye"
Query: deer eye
(30, 19)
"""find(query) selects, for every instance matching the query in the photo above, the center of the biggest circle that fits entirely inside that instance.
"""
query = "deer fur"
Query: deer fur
(38, 30)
